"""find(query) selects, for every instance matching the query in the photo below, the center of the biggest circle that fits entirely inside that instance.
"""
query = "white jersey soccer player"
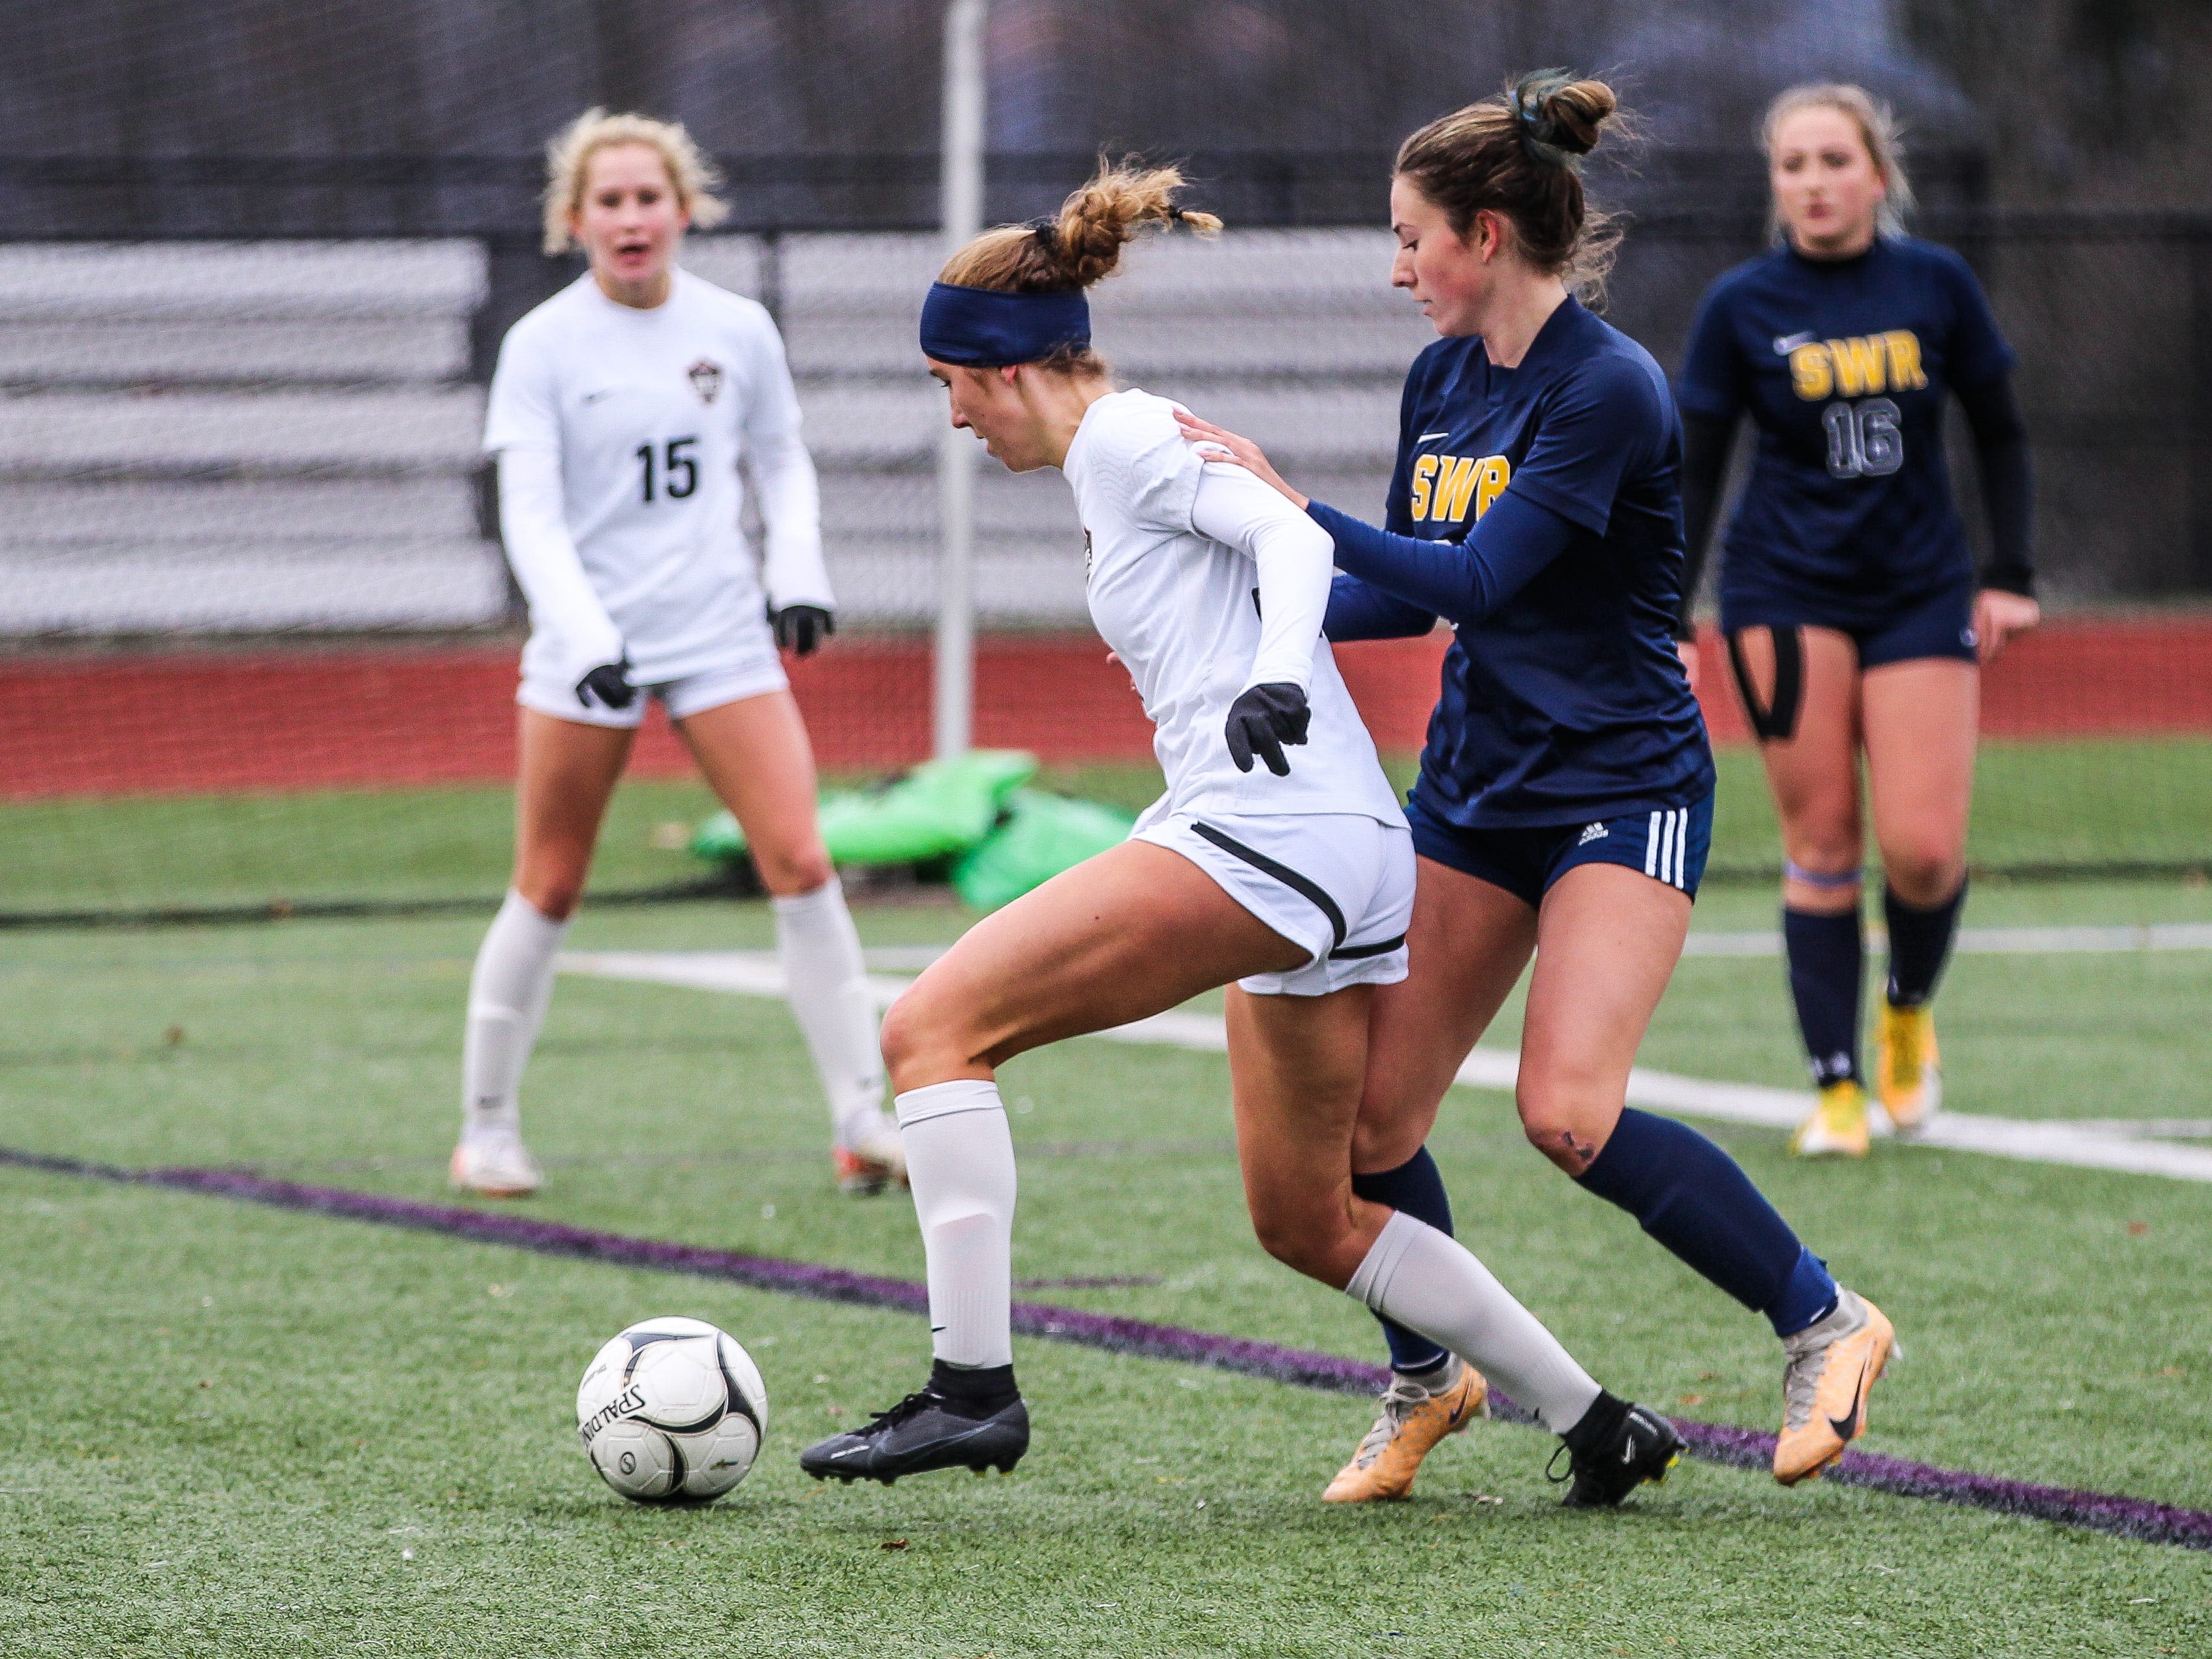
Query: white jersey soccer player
(1291, 881)
(620, 433)
(1204, 589)
(620, 413)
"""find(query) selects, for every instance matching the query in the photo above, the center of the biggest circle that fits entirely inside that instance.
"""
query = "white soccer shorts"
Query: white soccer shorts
(1340, 883)
(750, 670)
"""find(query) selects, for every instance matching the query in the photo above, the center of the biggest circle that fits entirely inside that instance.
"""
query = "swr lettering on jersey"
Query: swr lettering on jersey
(1444, 486)
(1858, 366)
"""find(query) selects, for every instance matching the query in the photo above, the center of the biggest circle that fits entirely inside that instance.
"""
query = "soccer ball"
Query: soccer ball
(671, 1412)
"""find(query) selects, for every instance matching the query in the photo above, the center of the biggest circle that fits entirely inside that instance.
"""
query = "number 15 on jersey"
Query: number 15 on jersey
(678, 471)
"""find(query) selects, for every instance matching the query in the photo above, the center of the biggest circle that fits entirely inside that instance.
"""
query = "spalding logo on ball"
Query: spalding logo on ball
(671, 1412)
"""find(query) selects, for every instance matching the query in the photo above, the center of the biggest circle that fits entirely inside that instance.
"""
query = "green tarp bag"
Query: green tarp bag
(941, 808)
(1040, 835)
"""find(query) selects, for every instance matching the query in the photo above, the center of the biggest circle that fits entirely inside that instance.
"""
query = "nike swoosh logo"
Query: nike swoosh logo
(1843, 1425)
(1457, 1411)
(1425, 436)
(593, 397)
(1786, 344)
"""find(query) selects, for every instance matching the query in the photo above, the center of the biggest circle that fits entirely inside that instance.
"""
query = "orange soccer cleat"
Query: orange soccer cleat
(1413, 1420)
(1831, 1367)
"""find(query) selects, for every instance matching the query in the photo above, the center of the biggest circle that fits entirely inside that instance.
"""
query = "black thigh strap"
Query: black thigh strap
(1778, 722)
(1304, 886)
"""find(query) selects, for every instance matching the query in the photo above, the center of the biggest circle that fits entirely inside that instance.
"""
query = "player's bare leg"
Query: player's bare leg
(568, 772)
(1608, 940)
(1467, 944)
(1120, 937)
(1812, 773)
(757, 760)
(1921, 719)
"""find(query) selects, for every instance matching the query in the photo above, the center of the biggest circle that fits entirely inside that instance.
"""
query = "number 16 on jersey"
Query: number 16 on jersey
(1863, 442)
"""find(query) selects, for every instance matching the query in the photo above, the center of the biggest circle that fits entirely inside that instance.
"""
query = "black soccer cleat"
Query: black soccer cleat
(1616, 1448)
(925, 1431)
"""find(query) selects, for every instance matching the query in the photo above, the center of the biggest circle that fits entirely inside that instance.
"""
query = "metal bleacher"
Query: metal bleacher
(273, 437)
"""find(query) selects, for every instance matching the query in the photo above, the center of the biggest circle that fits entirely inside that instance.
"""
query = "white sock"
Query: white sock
(960, 1161)
(828, 986)
(507, 993)
(1431, 1283)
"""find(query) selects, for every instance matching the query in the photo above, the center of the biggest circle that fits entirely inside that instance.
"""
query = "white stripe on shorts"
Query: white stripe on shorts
(1651, 848)
(1681, 843)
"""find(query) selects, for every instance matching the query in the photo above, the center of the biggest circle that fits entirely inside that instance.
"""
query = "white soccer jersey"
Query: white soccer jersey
(1181, 611)
(650, 412)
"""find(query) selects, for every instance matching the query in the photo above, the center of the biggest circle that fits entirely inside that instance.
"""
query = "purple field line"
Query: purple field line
(2138, 1518)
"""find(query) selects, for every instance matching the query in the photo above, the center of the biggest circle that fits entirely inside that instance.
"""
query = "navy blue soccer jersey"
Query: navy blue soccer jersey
(1843, 365)
(1566, 703)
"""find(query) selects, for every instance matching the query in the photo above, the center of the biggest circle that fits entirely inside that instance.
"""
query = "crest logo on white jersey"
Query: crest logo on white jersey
(1593, 832)
(706, 378)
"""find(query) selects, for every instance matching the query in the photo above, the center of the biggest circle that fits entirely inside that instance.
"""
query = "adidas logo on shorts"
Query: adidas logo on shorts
(1595, 832)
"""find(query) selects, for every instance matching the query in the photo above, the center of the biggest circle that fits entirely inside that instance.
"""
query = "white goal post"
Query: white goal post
(953, 689)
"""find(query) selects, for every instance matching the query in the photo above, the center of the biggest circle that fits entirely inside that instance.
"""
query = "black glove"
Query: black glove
(800, 628)
(1263, 719)
(610, 684)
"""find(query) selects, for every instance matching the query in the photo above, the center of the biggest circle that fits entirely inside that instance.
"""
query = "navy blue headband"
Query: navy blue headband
(989, 328)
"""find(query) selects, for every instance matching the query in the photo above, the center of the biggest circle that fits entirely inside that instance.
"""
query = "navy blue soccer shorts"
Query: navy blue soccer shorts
(1938, 624)
(1669, 845)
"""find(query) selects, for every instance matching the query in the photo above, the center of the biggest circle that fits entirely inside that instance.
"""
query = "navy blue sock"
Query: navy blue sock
(1826, 964)
(1919, 945)
(1691, 1196)
(1417, 1188)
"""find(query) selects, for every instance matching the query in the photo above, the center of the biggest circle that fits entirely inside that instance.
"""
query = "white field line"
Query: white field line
(1972, 942)
(1993, 941)
(2080, 1145)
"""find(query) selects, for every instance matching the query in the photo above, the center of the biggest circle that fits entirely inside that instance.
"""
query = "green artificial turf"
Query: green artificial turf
(278, 1435)
(2105, 803)
(367, 1393)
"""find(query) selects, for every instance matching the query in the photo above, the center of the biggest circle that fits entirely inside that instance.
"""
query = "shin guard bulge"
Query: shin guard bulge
(509, 990)
(960, 1161)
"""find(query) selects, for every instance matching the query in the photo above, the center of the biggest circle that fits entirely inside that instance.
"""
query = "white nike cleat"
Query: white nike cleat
(495, 1167)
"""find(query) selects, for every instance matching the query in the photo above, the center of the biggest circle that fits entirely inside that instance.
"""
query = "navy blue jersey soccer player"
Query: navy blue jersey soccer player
(1566, 792)
(1848, 595)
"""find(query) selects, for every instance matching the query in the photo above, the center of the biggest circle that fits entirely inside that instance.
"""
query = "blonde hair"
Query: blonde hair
(568, 159)
(1879, 130)
(1078, 246)
(1519, 154)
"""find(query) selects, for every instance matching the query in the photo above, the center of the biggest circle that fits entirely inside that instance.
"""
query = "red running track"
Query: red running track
(94, 726)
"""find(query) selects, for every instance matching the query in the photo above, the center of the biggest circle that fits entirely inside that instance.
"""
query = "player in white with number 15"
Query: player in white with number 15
(620, 413)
